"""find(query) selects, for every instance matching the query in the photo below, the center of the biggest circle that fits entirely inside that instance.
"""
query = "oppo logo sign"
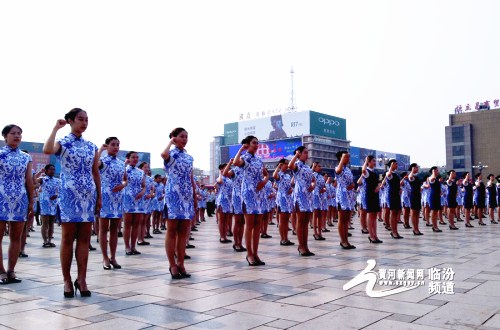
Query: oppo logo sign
(329, 122)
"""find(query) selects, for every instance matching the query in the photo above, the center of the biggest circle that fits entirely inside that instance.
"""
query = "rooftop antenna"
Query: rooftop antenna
(292, 107)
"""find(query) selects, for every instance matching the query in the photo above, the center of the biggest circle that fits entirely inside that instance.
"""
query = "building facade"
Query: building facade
(323, 135)
(471, 141)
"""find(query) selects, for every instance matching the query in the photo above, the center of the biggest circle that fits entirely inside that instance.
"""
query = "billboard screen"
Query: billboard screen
(326, 125)
(268, 151)
(231, 134)
(281, 126)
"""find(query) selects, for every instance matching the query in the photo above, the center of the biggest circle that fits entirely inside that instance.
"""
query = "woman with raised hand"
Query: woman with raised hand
(283, 199)
(80, 195)
(235, 173)
(468, 199)
(405, 199)
(302, 197)
(16, 197)
(394, 185)
(319, 207)
(452, 198)
(372, 201)
(133, 206)
(434, 197)
(49, 199)
(180, 198)
(255, 177)
(158, 203)
(415, 197)
(224, 207)
(492, 197)
(498, 195)
(361, 201)
(480, 198)
(144, 223)
(345, 184)
(113, 181)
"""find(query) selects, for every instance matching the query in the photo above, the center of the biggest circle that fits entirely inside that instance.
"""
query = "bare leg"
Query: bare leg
(103, 239)
(136, 220)
(15, 232)
(83, 234)
(182, 236)
(171, 242)
(68, 231)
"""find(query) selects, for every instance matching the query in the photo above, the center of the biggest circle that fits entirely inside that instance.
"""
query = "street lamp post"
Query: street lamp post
(480, 167)
(383, 159)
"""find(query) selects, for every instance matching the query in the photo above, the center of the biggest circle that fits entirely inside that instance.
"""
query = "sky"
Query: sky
(394, 70)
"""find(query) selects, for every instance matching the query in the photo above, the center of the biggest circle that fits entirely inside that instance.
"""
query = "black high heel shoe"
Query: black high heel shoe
(115, 264)
(259, 262)
(305, 254)
(468, 225)
(240, 249)
(69, 294)
(436, 230)
(177, 276)
(453, 228)
(183, 273)
(85, 293)
(251, 263)
(375, 241)
(396, 237)
(348, 247)
(417, 233)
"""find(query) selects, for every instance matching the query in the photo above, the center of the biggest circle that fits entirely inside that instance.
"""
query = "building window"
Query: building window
(458, 151)
(458, 163)
(457, 134)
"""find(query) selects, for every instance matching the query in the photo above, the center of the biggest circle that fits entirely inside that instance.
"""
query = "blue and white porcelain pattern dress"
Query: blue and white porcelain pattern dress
(157, 202)
(236, 200)
(112, 171)
(302, 197)
(252, 175)
(148, 206)
(344, 179)
(284, 199)
(223, 201)
(78, 189)
(13, 195)
(319, 201)
(179, 191)
(135, 178)
(50, 186)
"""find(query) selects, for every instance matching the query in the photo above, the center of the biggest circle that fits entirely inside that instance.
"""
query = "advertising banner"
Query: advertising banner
(326, 125)
(292, 124)
(231, 134)
(268, 151)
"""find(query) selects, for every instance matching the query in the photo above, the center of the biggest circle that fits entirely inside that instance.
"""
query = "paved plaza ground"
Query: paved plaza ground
(290, 292)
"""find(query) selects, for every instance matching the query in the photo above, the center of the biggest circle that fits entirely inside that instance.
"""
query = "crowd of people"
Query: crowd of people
(99, 193)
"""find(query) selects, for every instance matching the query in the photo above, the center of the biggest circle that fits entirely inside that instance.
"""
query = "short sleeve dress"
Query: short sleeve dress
(111, 170)
(252, 175)
(283, 198)
(135, 179)
(344, 179)
(78, 189)
(179, 193)
(51, 186)
(13, 195)
(302, 197)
